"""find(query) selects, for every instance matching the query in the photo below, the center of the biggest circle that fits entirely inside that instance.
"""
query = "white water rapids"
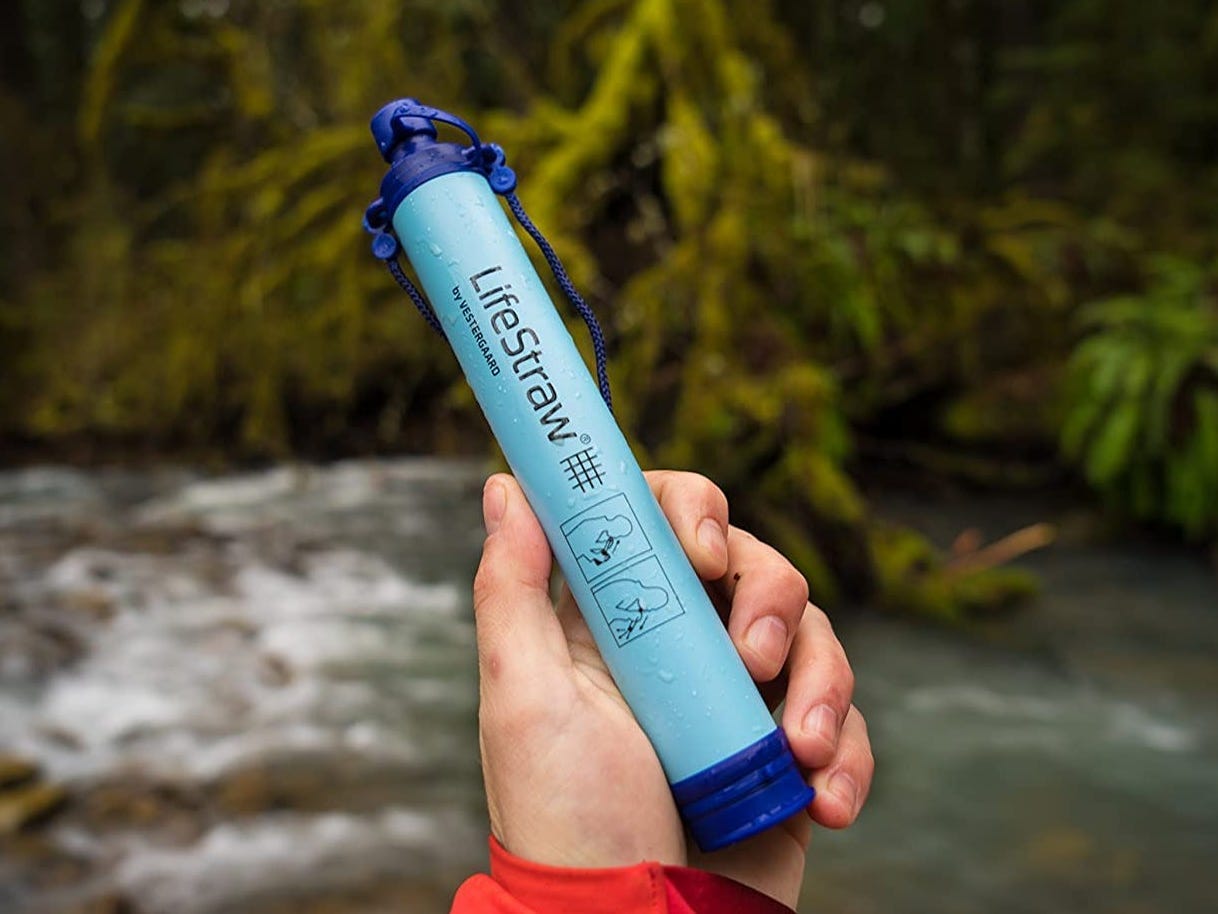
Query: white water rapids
(283, 660)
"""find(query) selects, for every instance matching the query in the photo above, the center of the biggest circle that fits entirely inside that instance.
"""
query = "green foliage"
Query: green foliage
(215, 290)
(714, 372)
(1143, 402)
(808, 229)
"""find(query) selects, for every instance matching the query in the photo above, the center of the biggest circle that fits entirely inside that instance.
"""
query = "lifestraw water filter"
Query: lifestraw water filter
(730, 768)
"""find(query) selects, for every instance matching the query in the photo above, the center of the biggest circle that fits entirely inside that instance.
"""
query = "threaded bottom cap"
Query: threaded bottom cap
(744, 794)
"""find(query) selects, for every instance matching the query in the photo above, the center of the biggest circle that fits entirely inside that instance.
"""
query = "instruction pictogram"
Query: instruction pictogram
(605, 536)
(640, 600)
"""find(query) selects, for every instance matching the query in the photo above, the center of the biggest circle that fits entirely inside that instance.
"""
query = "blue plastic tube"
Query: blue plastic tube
(730, 767)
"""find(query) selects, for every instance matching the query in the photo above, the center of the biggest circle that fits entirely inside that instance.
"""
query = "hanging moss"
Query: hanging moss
(720, 358)
(766, 294)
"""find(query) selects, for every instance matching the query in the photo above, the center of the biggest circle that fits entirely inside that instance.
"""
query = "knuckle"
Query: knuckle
(484, 584)
(866, 766)
(657, 478)
(744, 535)
(712, 496)
(845, 677)
(837, 695)
(840, 688)
(864, 730)
(794, 586)
(700, 490)
(869, 762)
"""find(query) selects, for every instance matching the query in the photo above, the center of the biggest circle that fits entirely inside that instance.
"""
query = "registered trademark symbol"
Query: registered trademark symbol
(585, 439)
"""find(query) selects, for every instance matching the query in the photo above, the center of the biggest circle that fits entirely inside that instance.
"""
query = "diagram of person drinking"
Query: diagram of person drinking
(596, 539)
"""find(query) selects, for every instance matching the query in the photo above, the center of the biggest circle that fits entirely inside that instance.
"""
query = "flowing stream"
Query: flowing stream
(257, 693)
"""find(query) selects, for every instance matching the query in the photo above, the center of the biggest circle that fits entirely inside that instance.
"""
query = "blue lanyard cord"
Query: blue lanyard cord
(424, 306)
(577, 301)
(386, 247)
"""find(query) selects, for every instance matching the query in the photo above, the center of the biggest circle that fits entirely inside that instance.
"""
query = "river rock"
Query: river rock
(92, 602)
(29, 805)
(170, 811)
(15, 771)
(109, 903)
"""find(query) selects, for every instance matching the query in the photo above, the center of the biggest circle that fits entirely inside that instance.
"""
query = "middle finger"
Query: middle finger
(768, 596)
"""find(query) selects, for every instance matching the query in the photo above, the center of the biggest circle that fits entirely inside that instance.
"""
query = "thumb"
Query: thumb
(520, 641)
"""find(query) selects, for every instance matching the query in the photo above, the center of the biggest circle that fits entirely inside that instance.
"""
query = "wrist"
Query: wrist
(589, 848)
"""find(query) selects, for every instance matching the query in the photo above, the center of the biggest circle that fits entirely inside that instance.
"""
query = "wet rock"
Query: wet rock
(43, 866)
(174, 813)
(307, 784)
(94, 602)
(28, 805)
(274, 670)
(15, 771)
(257, 789)
(109, 903)
(35, 648)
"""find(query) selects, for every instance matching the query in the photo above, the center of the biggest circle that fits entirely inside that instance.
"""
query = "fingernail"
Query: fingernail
(842, 786)
(711, 538)
(822, 721)
(494, 503)
(767, 637)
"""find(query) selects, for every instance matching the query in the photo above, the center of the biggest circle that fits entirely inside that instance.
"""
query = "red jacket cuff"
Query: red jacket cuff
(637, 889)
(518, 886)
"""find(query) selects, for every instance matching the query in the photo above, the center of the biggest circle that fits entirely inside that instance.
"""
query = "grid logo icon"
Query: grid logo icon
(584, 472)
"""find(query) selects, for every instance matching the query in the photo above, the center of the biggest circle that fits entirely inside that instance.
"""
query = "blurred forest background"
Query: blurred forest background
(968, 239)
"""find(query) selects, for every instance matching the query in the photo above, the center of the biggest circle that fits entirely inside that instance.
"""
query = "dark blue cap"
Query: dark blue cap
(405, 134)
(744, 794)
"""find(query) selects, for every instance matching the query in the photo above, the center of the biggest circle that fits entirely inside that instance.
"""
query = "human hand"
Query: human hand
(571, 779)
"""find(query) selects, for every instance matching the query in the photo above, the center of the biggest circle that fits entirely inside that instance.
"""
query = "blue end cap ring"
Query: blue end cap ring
(744, 794)
(422, 160)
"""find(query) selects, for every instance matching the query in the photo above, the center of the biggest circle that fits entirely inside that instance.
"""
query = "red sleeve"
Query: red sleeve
(517, 886)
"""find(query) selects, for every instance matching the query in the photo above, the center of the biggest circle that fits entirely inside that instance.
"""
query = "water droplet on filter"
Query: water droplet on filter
(621, 466)
(653, 659)
(435, 248)
(666, 676)
(693, 693)
(571, 502)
